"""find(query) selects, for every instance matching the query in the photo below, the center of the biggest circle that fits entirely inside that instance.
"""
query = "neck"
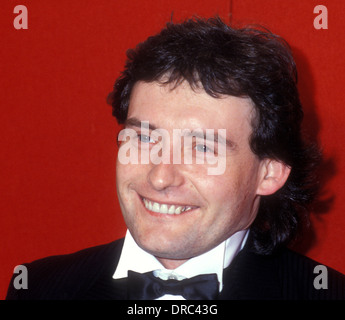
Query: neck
(170, 263)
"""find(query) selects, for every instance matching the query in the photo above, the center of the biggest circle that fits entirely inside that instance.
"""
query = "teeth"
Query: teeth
(178, 210)
(171, 209)
(165, 208)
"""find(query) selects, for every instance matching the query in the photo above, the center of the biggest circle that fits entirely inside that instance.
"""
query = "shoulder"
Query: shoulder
(284, 275)
(305, 278)
(66, 276)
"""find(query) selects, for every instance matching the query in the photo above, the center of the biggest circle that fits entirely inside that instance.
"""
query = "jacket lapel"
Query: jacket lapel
(102, 285)
(251, 277)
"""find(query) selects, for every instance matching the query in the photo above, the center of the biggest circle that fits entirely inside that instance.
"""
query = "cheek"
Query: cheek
(232, 192)
(126, 172)
(120, 177)
(125, 175)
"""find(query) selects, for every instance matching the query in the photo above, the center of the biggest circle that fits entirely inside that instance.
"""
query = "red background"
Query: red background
(58, 138)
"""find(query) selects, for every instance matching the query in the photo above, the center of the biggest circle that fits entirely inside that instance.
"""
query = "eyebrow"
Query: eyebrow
(135, 122)
(216, 138)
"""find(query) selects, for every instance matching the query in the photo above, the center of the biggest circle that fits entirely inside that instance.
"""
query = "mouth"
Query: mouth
(169, 209)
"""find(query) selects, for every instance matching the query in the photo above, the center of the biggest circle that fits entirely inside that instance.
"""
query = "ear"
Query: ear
(273, 176)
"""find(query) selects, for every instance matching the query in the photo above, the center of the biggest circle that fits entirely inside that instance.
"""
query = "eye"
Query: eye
(202, 148)
(145, 138)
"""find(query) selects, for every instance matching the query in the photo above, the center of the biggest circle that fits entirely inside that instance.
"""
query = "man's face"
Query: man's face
(204, 209)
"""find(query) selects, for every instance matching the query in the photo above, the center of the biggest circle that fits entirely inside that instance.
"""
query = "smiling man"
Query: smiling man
(194, 232)
(208, 209)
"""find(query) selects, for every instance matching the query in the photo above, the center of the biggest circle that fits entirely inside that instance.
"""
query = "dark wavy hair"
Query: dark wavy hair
(244, 62)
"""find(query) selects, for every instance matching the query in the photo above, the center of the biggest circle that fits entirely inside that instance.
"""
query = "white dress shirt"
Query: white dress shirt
(214, 261)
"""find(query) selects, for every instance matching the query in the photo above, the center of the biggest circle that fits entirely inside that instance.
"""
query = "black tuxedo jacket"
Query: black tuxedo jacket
(87, 275)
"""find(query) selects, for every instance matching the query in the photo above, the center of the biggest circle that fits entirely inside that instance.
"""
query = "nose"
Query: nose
(163, 176)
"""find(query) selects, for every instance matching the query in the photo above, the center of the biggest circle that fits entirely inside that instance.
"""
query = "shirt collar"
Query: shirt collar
(212, 261)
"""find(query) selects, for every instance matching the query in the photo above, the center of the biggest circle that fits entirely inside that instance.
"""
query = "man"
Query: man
(213, 177)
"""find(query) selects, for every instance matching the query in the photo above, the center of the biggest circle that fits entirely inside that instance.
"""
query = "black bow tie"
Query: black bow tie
(145, 286)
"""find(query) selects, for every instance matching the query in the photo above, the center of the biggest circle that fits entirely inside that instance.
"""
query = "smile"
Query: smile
(165, 208)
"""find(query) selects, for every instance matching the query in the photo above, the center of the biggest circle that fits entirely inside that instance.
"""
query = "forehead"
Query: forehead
(183, 107)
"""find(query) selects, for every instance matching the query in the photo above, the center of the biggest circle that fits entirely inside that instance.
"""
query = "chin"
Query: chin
(161, 246)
